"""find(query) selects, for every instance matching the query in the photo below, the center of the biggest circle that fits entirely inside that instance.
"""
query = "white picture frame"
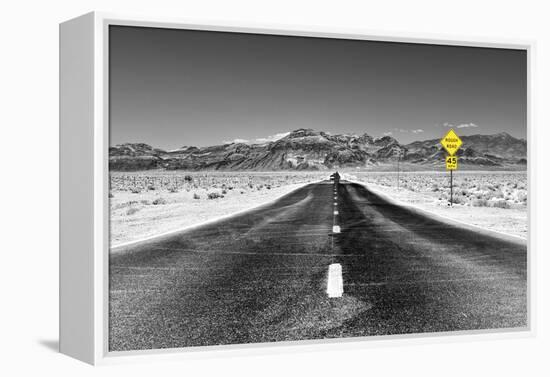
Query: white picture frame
(84, 244)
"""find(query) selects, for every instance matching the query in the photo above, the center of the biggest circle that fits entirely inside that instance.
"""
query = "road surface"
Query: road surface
(262, 276)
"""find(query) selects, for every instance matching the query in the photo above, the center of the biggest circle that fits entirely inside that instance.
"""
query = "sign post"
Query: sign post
(451, 163)
(451, 143)
(400, 154)
(398, 158)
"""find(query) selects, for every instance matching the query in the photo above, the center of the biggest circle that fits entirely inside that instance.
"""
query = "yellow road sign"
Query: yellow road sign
(451, 162)
(451, 142)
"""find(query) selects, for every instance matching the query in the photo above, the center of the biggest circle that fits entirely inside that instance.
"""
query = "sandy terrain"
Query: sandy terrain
(147, 204)
(134, 216)
(511, 220)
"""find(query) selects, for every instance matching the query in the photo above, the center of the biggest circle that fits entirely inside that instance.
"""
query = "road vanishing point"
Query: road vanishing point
(262, 276)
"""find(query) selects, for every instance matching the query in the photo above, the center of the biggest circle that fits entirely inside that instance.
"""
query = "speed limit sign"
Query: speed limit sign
(451, 162)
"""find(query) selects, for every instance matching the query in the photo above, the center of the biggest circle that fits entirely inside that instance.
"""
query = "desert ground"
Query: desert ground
(495, 200)
(144, 204)
(147, 203)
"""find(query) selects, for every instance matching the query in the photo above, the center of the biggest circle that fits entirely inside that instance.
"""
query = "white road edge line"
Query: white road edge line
(335, 212)
(206, 222)
(434, 214)
(336, 229)
(335, 283)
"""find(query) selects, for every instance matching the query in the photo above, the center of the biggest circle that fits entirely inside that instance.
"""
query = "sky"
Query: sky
(171, 88)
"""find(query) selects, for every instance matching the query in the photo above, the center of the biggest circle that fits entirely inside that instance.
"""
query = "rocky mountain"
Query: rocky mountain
(136, 156)
(307, 149)
(498, 150)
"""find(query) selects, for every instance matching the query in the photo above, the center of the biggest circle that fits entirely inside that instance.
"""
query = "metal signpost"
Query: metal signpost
(451, 143)
(400, 154)
(398, 158)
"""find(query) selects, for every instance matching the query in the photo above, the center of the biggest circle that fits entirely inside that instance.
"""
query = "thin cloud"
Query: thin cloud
(389, 133)
(404, 131)
(236, 141)
(462, 125)
(467, 125)
(261, 140)
(271, 138)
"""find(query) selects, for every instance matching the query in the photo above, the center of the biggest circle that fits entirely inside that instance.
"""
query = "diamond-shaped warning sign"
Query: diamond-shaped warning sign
(451, 142)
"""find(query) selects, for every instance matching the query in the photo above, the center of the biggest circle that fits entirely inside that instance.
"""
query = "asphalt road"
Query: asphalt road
(262, 276)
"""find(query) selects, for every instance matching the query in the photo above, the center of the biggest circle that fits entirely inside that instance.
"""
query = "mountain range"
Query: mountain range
(307, 149)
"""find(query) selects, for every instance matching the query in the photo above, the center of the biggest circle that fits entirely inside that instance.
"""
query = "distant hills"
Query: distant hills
(307, 149)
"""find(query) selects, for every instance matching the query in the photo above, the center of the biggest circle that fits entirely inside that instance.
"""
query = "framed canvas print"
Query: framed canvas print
(226, 187)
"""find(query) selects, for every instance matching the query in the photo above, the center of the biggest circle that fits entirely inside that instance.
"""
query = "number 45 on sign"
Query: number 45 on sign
(451, 162)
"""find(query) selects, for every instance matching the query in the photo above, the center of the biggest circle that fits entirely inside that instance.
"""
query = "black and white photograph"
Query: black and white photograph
(275, 188)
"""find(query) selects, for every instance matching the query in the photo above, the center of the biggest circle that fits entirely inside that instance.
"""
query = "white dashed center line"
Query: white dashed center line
(335, 283)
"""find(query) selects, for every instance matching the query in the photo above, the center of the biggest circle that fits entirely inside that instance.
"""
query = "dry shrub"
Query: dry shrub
(499, 203)
(214, 195)
(479, 202)
(159, 201)
(132, 210)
